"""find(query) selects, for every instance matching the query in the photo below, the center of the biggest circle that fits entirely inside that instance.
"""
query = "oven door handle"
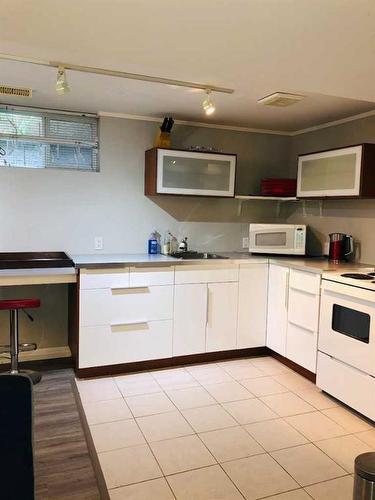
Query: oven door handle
(357, 294)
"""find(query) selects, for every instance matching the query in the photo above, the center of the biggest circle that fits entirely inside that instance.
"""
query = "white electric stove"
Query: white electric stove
(346, 345)
(363, 277)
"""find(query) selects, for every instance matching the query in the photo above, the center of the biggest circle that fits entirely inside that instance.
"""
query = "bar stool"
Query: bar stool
(13, 306)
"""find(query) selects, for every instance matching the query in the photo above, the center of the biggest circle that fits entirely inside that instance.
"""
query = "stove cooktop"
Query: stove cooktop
(360, 277)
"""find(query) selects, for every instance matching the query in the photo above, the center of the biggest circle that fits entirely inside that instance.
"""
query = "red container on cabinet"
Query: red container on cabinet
(278, 187)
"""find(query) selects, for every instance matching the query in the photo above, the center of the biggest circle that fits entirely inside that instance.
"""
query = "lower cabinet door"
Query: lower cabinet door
(221, 331)
(252, 305)
(116, 344)
(301, 346)
(277, 316)
(189, 319)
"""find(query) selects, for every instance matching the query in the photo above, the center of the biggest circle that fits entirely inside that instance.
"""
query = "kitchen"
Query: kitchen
(224, 359)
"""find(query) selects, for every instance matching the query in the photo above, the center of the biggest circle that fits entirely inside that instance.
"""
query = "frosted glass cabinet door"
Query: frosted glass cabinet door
(331, 173)
(195, 173)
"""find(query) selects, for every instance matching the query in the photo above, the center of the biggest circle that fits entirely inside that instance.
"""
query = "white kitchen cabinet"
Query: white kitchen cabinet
(252, 305)
(303, 318)
(222, 306)
(277, 314)
(344, 172)
(110, 345)
(206, 273)
(172, 171)
(96, 278)
(189, 319)
(115, 306)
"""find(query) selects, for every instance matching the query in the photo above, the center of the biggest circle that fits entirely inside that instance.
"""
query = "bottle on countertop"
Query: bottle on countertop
(183, 246)
(173, 244)
(166, 248)
(154, 243)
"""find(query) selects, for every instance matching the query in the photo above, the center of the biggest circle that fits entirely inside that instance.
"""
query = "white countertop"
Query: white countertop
(311, 264)
(107, 260)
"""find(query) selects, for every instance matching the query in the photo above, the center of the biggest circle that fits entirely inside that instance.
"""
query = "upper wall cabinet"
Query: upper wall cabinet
(172, 171)
(341, 173)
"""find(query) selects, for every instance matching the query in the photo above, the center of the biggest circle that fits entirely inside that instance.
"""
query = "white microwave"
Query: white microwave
(288, 239)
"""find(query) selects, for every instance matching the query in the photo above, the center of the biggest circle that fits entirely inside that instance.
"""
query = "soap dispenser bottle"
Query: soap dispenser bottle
(153, 244)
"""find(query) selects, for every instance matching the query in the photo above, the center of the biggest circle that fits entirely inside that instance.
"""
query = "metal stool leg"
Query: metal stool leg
(14, 343)
(15, 349)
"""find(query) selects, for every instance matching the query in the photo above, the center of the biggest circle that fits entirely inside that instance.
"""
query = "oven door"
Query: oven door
(347, 322)
(278, 240)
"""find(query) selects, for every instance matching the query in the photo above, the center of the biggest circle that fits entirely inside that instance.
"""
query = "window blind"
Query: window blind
(36, 139)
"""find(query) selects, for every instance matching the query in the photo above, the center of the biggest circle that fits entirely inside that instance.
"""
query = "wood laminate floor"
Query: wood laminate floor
(63, 466)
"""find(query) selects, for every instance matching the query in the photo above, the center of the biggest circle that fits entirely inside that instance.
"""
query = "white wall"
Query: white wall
(65, 210)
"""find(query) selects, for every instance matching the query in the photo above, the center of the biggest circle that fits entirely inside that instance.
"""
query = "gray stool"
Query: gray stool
(364, 479)
(14, 348)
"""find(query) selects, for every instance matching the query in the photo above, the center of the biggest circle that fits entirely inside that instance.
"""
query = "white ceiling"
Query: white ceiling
(318, 48)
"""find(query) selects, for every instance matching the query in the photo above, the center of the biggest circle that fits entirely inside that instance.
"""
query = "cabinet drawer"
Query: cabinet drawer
(301, 346)
(151, 276)
(96, 278)
(303, 309)
(125, 305)
(347, 384)
(106, 345)
(205, 273)
(305, 281)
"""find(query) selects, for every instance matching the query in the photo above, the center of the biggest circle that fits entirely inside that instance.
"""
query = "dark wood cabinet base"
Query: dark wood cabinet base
(292, 365)
(99, 371)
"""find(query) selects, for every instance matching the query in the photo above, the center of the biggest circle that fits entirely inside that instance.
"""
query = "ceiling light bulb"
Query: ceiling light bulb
(207, 104)
(62, 86)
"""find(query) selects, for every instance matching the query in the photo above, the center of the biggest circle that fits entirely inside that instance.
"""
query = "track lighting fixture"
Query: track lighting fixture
(62, 86)
(207, 104)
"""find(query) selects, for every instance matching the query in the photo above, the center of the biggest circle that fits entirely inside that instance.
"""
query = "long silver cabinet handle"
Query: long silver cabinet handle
(207, 304)
(130, 289)
(287, 290)
(130, 323)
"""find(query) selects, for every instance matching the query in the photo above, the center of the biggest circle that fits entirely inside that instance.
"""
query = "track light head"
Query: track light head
(62, 86)
(207, 104)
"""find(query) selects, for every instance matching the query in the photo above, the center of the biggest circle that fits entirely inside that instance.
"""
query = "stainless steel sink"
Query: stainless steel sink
(197, 255)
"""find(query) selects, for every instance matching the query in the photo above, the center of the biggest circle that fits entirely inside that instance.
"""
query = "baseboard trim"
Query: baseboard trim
(294, 366)
(100, 371)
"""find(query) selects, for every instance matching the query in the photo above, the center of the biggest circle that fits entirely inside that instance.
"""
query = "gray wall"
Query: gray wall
(65, 210)
(356, 217)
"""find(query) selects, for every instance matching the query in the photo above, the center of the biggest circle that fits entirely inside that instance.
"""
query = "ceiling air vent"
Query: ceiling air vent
(15, 91)
(281, 99)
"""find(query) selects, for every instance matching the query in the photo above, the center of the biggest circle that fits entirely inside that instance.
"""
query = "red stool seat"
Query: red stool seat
(19, 304)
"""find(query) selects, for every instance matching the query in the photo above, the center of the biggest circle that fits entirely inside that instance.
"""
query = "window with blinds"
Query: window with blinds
(34, 139)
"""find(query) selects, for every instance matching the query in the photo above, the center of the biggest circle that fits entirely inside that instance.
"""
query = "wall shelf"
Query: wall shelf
(266, 198)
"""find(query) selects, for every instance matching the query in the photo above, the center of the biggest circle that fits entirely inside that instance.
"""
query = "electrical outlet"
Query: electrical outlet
(98, 243)
(245, 242)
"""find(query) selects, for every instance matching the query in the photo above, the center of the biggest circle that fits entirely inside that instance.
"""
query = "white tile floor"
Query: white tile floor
(239, 429)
